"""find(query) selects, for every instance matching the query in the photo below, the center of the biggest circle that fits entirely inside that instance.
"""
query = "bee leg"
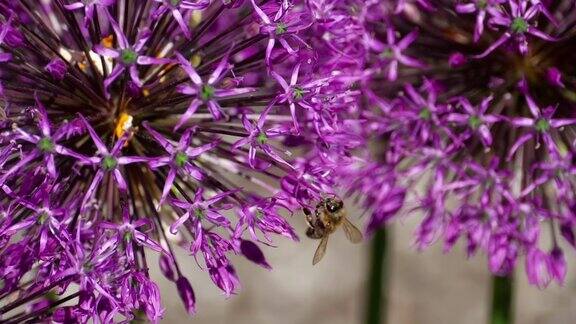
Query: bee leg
(315, 233)
(309, 218)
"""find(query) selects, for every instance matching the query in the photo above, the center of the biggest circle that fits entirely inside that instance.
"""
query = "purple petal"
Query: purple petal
(189, 112)
(494, 46)
(261, 13)
(253, 253)
(74, 6)
(215, 109)
(120, 180)
(189, 69)
(105, 51)
(146, 60)
(179, 222)
(197, 151)
(159, 138)
(167, 267)
(92, 188)
(186, 294)
(217, 73)
(167, 185)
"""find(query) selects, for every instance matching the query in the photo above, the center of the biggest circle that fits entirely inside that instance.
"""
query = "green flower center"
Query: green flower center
(42, 218)
(109, 163)
(88, 267)
(482, 4)
(128, 56)
(180, 159)
(262, 138)
(281, 28)
(45, 144)
(127, 236)
(298, 93)
(519, 25)
(207, 92)
(558, 173)
(474, 122)
(387, 54)
(542, 125)
(425, 114)
(199, 212)
(175, 2)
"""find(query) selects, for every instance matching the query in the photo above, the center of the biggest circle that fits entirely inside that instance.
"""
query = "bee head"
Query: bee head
(334, 205)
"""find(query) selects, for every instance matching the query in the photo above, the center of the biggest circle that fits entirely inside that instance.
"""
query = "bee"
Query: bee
(327, 217)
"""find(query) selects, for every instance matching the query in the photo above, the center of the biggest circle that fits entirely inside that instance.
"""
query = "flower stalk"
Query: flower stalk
(501, 311)
(377, 288)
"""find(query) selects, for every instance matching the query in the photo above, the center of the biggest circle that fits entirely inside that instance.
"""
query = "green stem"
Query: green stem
(376, 306)
(501, 312)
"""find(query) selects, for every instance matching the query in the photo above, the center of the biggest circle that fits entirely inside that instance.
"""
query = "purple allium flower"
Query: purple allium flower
(390, 53)
(206, 92)
(124, 120)
(89, 6)
(284, 27)
(57, 68)
(478, 137)
(517, 20)
(127, 56)
(5, 57)
(179, 10)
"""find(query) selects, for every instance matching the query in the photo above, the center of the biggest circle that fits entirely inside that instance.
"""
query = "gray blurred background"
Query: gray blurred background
(426, 287)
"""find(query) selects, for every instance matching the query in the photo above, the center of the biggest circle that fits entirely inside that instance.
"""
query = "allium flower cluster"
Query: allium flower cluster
(464, 112)
(129, 126)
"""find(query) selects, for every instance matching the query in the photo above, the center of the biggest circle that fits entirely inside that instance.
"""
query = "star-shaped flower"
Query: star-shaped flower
(46, 143)
(259, 139)
(89, 7)
(518, 22)
(179, 8)
(283, 27)
(475, 119)
(297, 94)
(206, 92)
(390, 53)
(107, 161)
(128, 232)
(199, 209)
(180, 158)
(128, 56)
(480, 7)
(539, 126)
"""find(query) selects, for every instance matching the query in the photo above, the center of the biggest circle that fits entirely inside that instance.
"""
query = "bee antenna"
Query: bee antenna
(325, 195)
(339, 193)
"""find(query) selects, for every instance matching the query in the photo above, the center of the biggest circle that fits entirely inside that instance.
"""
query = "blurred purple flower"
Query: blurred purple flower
(481, 146)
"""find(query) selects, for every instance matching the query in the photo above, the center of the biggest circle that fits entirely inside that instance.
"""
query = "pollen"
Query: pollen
(83, 66)
(123, 124)
(195, 60)
(108, 41)
(196, 18)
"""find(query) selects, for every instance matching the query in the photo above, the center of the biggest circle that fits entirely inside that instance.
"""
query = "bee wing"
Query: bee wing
(321, 250)
(352, 232)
